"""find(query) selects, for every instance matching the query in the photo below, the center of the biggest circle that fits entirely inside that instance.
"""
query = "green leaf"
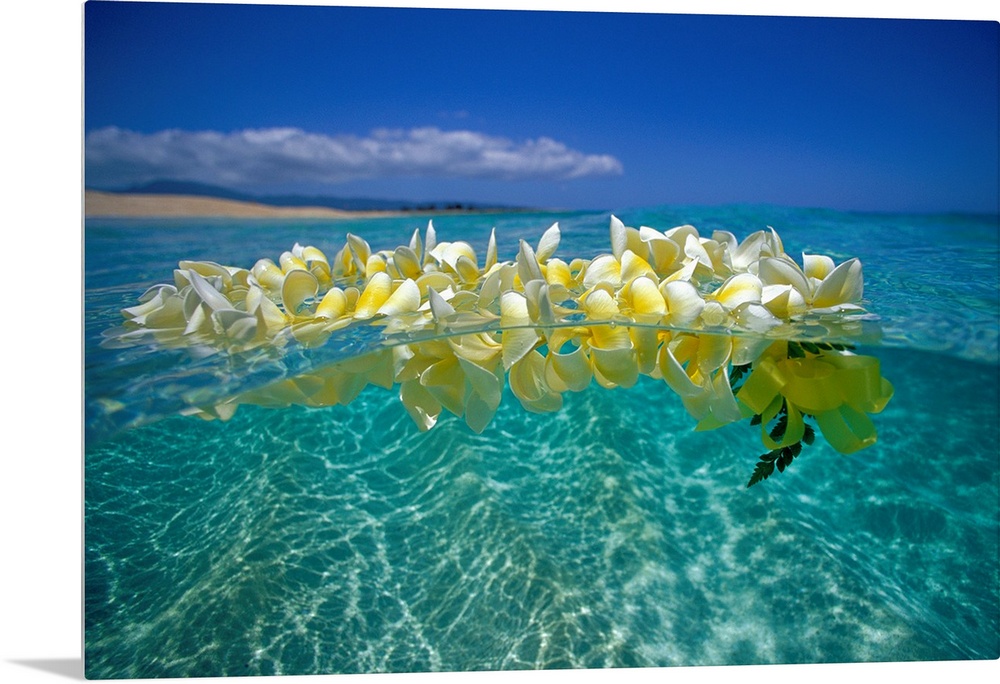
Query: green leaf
(778, 431)
(810, 347)
(784, 460)
(809, 434)
(761, 472)
(795, 351)
(737, 373)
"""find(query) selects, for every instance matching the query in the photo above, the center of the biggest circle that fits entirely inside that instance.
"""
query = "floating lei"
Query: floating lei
(737, 330)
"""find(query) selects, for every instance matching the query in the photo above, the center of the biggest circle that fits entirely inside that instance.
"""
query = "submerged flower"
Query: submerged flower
(695, 312)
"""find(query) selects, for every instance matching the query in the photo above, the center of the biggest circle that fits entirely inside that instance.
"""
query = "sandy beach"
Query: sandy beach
(108, 204)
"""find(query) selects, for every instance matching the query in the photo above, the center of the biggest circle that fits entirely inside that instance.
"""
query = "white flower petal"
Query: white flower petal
(407, 262)
(297, 288)
(684, 302)
(619, 237)
(646, 297)
(527, 382)
(739, 289)
(782, 271)
(603, 269)
(817, 266)
(405, 299)
(548, 243)
(844, 285)
(527, 264)
(571, 370)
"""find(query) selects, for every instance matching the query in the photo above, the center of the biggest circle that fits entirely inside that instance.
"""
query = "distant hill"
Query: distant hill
(175, 187)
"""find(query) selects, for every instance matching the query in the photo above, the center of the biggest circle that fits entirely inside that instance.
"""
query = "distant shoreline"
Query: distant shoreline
(100, 204)
(97, 204)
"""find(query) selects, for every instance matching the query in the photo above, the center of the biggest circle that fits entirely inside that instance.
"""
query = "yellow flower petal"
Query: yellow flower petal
(684, 302)
(423, 408)
(817, 266)
(407, 263)
(446, 382)
(599, 305)
(484, 382)
(289, 262)
(297, 288)
(491, 251)
(527, 382)
(603, 269)
(478, 413)
(739, 289)
(208, 269)
(557, 272)
(405, 299)
(333, 305)
(675, 376)
(268, 275)
(646, 297)
(527, 264)
(784, 301)
(467, 269)
(481, 349)
(269, 316)
(375, 294)
(616, 365)
(517, 343)
(359, 252)
(782, 271)
(435, 280)
(664, 254)
(430, 241)
(568, 371)
(310, 255)
(634, 266)
(843, 285)
(646, 341)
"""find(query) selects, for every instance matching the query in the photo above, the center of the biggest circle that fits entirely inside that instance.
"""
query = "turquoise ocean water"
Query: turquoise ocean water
(609, 534)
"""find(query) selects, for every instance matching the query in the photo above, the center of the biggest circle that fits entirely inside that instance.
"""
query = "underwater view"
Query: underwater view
(540, 440)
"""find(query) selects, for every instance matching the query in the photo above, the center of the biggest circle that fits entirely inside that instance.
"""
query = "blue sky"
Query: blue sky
(559, 109)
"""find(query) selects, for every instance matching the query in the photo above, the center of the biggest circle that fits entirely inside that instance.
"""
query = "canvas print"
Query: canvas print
(452, 340)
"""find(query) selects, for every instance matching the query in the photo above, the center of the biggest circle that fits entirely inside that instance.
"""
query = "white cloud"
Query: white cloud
(269, 156)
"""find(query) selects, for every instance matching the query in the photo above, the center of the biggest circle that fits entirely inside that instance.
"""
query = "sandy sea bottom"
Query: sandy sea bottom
(608, 534)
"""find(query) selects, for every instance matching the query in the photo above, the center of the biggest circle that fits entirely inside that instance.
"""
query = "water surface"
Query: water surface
(609, 534)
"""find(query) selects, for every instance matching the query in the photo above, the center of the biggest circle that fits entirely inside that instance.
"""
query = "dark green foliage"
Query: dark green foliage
(761, 472)
(783, 457)
(778, 431)
(795, 351)
(778, 458)
(798, 350)
(736, 375)
(809, 435)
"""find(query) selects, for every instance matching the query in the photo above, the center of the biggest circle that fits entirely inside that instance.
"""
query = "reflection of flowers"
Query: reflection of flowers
(672, 305)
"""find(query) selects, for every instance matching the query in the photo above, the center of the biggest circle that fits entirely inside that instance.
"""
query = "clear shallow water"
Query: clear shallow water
(610, 534)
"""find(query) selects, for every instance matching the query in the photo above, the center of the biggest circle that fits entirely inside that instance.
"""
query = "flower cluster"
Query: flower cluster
(672, 305)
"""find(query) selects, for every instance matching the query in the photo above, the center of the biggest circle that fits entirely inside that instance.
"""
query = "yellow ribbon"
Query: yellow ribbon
(839, 390)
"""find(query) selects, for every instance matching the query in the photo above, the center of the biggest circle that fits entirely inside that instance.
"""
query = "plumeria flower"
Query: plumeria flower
(819, 287)
(669, 305)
